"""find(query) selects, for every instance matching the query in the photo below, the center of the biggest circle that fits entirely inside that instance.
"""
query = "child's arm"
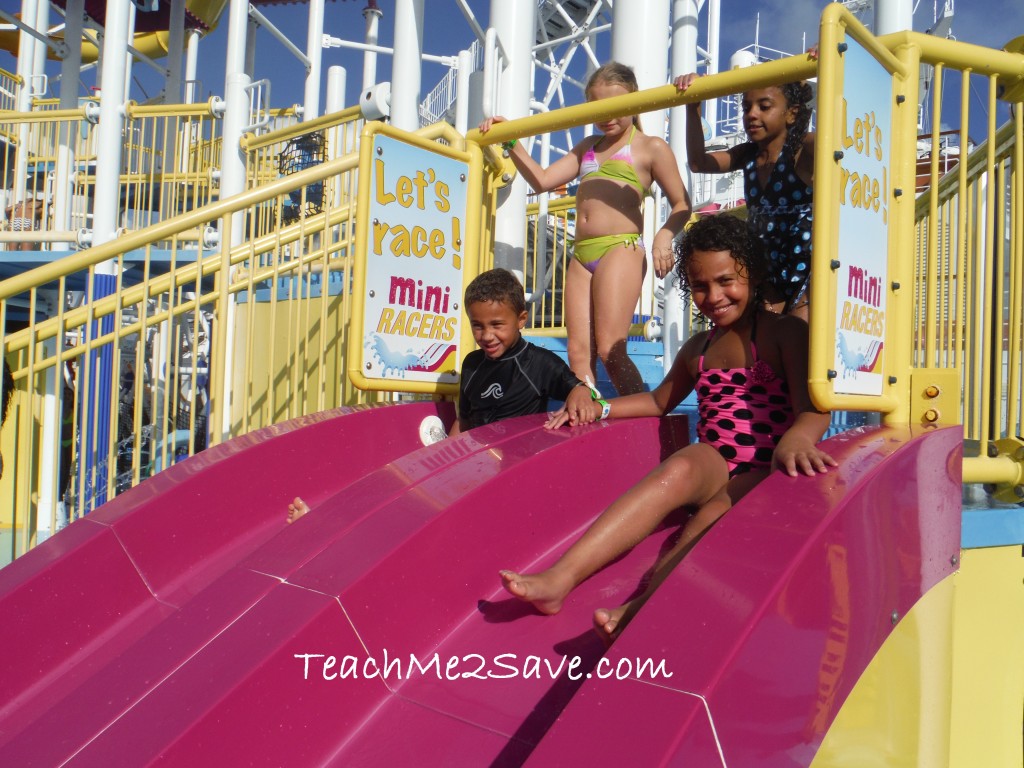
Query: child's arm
(665, 171)
(698, 158)
(540, 179)
(805, 163)
(579, 408)
(797, 451)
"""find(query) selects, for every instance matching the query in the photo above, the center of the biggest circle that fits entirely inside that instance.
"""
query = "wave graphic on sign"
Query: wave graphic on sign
(435, 358)
(393, 360)
(858, 360)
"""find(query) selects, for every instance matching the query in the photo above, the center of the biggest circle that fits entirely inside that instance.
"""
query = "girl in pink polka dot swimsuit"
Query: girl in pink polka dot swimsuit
(750, 375)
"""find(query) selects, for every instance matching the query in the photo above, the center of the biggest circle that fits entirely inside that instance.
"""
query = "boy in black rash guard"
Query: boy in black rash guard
(508, 376)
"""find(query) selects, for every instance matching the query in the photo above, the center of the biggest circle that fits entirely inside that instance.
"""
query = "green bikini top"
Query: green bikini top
(618, 167)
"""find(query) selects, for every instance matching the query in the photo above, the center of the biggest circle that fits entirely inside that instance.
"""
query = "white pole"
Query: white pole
(517, 21)
(337, 79)
(236, 111)
(42, 24)
(249, 67)
(26, 59)
(676, 321)
(51, 420)
(714, 23)
(893, 16)
(236, 118)
(111, 122)
(645, 20)
(50, 480)
(465, 66)
(128, 58)
(69, 70)
(175, 52)
(406, 64)
(372, 15)
(191, 66)
(314, 52)
(109, 144)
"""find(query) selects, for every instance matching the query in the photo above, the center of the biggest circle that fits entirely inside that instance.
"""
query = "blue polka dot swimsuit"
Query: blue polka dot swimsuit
(780, 214)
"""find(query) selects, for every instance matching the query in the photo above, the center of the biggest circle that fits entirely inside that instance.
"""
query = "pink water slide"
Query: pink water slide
(185, 623)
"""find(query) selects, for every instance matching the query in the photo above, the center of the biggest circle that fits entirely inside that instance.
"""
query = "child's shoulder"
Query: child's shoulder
(472, 359)
(648, 143)
(784, 329)
(550, 356)
(694, 346)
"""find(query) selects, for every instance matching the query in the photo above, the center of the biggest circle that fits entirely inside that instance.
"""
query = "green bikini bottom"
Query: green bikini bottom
(590, 251)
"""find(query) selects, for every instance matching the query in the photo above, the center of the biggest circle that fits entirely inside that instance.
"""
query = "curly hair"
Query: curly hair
(497, 285)
(723, 232)
(797, 94)
(8, 391)
(615, 73)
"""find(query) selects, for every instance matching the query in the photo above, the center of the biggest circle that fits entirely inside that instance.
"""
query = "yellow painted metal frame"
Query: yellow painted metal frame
(836, 25)
(472, 262)
(946, 688)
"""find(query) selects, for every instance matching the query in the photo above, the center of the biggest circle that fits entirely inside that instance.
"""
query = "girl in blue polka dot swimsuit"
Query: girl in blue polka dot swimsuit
(778, 170)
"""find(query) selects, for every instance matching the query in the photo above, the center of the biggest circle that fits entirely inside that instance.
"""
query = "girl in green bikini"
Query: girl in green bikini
(616, 169)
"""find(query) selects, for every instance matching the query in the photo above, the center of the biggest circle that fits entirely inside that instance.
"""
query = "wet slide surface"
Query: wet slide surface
(186, 623)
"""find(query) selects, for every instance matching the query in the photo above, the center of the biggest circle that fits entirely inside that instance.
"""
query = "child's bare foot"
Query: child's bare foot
(544, 590)
(609, 623)
(296, 509)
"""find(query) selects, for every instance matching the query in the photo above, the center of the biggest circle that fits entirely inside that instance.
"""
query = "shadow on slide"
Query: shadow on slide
(185, 622)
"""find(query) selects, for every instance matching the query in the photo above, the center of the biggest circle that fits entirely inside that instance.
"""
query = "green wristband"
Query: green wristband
(507, 145)
(606, 409)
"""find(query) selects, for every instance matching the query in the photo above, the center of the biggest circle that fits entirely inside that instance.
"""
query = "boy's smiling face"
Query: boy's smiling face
(495, 325)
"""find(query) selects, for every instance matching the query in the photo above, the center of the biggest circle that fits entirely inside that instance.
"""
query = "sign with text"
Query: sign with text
(865, 130)
(412, 291)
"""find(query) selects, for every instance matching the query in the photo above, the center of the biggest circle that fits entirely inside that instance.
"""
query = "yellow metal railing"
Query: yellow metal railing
(8, 90)
(293, 146)
(194, 344)
(549, 240)
(168, 163)
(968, 294)
(168, 160)
(42, 141)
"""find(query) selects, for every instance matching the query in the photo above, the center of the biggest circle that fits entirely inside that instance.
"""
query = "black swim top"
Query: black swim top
(779, 212)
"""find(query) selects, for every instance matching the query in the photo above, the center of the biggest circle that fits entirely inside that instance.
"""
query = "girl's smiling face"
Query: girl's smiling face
(766, 115)
(719, 286)
(603, 90)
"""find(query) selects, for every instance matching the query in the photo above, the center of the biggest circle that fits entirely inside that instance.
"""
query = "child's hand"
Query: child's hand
(812, 52)
(485, 126)
(584, 415)
(794, 458)
(556, 419)
(579, 408)
(663, 259)
(685, 81)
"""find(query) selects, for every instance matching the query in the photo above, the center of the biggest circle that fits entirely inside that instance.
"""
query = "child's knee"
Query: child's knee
(679, 468)
(611, 349)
